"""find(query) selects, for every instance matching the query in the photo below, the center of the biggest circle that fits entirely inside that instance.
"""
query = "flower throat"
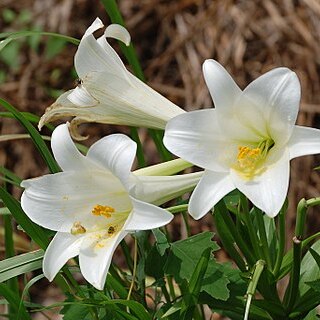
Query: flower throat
(250, 160)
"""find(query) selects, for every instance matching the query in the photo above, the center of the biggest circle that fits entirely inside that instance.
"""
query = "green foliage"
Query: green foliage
(20, 264)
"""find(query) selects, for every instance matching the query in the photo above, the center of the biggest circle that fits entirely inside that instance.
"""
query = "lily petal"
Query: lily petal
(81, 97)
(223, 90)
(304, 141)
(95, 257)
(115, 153)
(145, 216)
(65, 151)
(118, 32)
(268, 190)
(96, 56)
(63, 247)
(212, 187)
(276, 94)
(160, 189)
(54, 203)
(195, 136)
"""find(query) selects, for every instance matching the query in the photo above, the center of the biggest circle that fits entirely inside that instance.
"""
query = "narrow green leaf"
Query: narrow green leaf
(35, 136)
(10, 175)
(28, 115)
(14, 301)
(8, 37)
(20, 264)
(35, 232)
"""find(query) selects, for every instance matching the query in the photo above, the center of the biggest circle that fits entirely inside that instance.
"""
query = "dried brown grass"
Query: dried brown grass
(172, 39)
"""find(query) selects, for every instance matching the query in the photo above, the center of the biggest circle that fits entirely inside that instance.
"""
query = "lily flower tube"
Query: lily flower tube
(107, 92)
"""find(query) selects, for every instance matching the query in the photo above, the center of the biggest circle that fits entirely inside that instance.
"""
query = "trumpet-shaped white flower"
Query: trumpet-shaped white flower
(246, 142)
(107, 92)
(95, 202)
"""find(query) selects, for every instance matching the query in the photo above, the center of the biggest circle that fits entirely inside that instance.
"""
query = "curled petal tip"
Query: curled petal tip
(118, 32)
(74, 130)
(96, 25)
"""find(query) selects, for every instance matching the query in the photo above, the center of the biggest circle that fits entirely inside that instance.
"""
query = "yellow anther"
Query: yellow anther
(77, 228)
(249, 161)
(100, 210)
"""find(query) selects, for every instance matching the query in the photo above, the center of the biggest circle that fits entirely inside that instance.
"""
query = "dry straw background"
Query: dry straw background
(172, 39)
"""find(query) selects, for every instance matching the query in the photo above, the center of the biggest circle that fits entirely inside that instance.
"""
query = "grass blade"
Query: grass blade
(35, 136)
(35, 232)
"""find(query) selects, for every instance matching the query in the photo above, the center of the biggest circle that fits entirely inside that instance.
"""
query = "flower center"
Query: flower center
(250, 160)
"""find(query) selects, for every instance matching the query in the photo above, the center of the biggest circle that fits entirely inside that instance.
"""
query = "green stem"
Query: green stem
(282, 239)
(186, 222)
(178, 208)
(297, 254)
(258, 268)
(171, 287)
(263, 237)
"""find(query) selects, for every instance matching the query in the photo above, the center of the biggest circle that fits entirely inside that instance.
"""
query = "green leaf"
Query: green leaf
(183, 258)
(22, 34)
(310, 270)
(10, 175)
(14, 301)
(35, 232)
(28, 115)
(162, 243)
(35, 136)
(191, 298)
(75, 311)
(20, 264)
(134, 306)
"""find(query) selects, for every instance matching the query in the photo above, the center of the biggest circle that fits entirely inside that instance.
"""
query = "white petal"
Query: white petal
(160, 189)
(96, 25)
(97, 55)
(145, 216)
(81, 97)
(268, 190)
(277, 95)
(224, 91)
(57, 201)
(118, 32)
(304, 141)
(212, 188)
(116, 153)
(95, 257)
(196, 137)
(128, 101)
(65, 151)
(63, 247)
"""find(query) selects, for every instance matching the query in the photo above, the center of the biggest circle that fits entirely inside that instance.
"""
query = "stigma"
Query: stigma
(104, 211)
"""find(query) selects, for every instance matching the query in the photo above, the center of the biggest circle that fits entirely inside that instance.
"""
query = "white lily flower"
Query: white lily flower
(246, 142)
(96, 201)
(107, 92)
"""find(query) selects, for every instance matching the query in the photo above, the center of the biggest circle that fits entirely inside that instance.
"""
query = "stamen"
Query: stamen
(100, 210)
(111, 230)
(250, 160)
(77, 228)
